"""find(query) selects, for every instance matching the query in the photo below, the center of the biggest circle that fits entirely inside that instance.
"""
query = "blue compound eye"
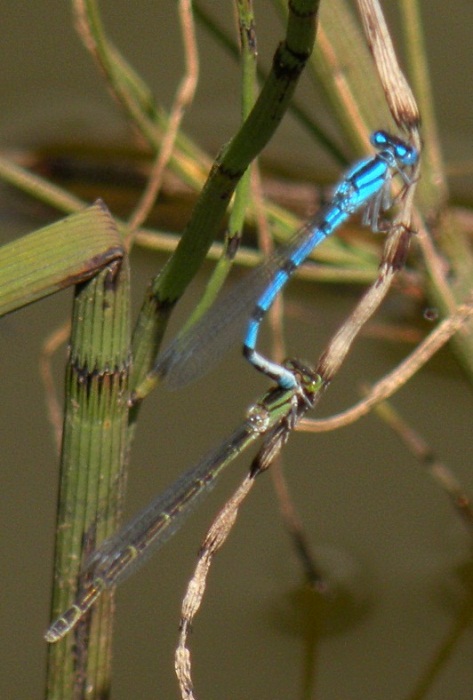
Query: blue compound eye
(402, 152)
(406, 154)
(379, 139)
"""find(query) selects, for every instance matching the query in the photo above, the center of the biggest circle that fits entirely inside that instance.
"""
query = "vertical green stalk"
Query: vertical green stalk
(92, 476)
(236, 221)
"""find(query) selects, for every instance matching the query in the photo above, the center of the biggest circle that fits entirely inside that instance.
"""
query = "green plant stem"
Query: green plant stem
(92, 476)
(303, 116)
(289, 61)
(238, 213)
(57, 256)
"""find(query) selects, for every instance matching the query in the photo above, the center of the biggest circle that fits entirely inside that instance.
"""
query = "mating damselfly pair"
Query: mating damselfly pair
(366, 184)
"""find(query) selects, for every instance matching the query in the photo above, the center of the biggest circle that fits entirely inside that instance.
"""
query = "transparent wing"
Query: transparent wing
(194, 352)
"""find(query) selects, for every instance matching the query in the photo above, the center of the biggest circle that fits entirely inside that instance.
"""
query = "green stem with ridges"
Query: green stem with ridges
(236, 221)
(57, 256)
(92, 461)
(288, 63)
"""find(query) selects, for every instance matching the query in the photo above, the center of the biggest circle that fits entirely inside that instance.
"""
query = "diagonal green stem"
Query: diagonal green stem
(288, 63)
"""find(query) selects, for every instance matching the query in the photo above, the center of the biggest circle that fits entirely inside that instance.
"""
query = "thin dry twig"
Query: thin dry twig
(342, 85)
(215, 538)
(399, 97)
(184, 97)
(53, 342)
(405, 112)
(393, 381)
(436, 265)
(341, 343)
